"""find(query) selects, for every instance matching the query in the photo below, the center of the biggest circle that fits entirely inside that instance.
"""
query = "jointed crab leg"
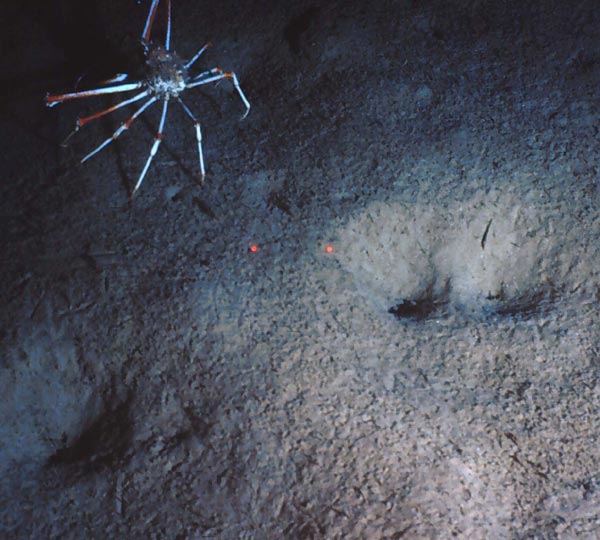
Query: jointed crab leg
(154, 149)
(52, 100)
(150, 21)
(168, 36)
(231, 75)
(119, 77)
(221, 76)
(198, 137)
(197, 55)
(124, 126)
(213, 71)
(82, 121)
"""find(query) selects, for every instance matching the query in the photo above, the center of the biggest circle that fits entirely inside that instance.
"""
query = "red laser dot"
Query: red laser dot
(329, 249)
(253, 248)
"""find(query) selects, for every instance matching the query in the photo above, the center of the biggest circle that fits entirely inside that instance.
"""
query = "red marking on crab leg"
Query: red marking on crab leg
(124, 126)
(198, 137)
(154, 148)
(52, 100)
(82, 121)
(150, 20)
(219, 77)
(197, 55)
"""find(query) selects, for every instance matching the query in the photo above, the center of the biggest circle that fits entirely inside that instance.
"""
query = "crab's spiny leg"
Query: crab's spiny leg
(198, 137)
(168, 36)
(124, 126)
(150, 21)
(212, 71)
(155, 145)
(237, 86)
(83, 121)
(218, 77)
(117, 78)
(52, 100)
(229, 75)
(197, 55)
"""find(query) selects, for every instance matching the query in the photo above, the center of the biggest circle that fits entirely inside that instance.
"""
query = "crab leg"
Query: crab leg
(155, 145)
(218, 77)
(197, 55)
(119, 77)
(150, 21)
(237, 86)
(229, 75)
(82, 121)
(124, 126)
(168, 36)
(212, 71)
(198, 137)
(52, 100)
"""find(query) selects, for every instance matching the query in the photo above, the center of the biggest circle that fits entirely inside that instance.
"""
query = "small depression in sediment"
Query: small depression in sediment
(495, 254)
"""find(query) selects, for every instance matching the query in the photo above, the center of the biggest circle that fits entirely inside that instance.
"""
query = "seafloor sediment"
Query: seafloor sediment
(435, 374)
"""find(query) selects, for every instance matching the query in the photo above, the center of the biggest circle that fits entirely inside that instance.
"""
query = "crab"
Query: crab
(167, 76)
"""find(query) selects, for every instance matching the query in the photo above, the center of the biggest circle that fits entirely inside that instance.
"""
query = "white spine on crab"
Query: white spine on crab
(154, 149)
